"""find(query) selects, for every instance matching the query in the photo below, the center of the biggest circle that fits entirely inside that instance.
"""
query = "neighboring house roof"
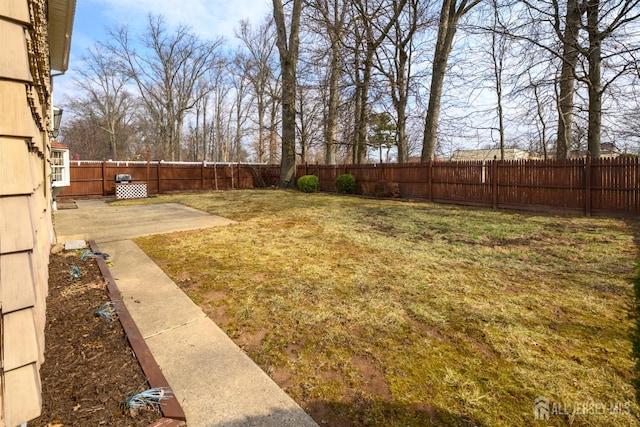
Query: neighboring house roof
(61, 14)
(59, 146)
(509, 154)
(418, 159)
(607, 149)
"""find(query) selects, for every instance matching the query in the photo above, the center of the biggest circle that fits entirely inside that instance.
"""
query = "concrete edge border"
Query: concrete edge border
(173, 414)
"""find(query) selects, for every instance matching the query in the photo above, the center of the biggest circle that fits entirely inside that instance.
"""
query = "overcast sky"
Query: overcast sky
(207, 18)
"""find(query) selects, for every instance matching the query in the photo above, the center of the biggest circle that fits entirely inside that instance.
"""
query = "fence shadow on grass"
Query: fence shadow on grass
(377, 412)
(361, 413)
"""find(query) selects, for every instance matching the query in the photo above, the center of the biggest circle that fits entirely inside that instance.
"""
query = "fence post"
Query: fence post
(430, 180)
(202, 173)
(587, 185)
(494, 180)
(215, 175)
(158, 175)
(148, 173)
(104, 178)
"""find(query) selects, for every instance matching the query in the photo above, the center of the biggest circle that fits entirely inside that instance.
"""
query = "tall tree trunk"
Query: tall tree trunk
(400, 97)
(595, 74)
(178, 138)
(261, 112)
(497, 57)
(543, 123)
(361, 128)
(288, 159)
(331, 136)
(112, 143)
(205, 133)
(400, 83)
(238, 133)
(449, 16)
(332, 16)
(288, 48)
(446, 31)
(400, 104)
(567, 78)
(370, 41)
(196, 136)
(272, 140)
(303, 129)
(403, 151)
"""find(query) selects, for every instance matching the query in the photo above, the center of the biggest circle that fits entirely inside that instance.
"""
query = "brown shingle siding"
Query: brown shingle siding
(15, 167)
(20, 342)
(16, 10)
(14, 59)
(25, 196)
(22, 395)
(17, 287)
(16, 234)
(16, 119)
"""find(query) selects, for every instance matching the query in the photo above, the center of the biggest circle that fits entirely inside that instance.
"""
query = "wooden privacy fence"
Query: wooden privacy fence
(95, 179)
(591, 186)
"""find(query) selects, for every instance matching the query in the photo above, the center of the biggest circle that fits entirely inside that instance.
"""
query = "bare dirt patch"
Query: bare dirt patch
(89, 367)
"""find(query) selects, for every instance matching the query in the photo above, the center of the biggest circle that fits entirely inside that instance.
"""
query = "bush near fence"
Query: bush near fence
(591, 186)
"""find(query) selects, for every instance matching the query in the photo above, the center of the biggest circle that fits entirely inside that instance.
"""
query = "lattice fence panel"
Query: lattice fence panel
(131, 191)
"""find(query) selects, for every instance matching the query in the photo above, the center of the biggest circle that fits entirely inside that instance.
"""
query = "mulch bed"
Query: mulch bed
(89, 367)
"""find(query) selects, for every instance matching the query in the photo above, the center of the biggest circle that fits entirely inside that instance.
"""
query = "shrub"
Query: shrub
(346, 184)
(387, 189)
(308, 184)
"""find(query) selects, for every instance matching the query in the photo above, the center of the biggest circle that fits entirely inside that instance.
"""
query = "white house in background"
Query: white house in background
(491, 154)
(608, 150)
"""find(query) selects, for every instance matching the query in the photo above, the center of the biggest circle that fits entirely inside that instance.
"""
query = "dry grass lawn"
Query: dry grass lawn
(385, 313)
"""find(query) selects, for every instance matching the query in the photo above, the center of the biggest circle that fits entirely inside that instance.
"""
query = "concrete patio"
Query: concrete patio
(216, 383)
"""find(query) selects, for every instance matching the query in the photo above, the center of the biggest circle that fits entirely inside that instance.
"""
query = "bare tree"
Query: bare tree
(288, 47)
(569, 40)
(498, 52)
(541, 116)
(332, 17)
(241, 104)
(104, 97)
(257, 65)
(375, 22)
(309, 123)
(221, 138)
(82, 134)
(450, 14)
(198, 135)
(274, 108)
(603, 20)
(396, 66)
(166, 71)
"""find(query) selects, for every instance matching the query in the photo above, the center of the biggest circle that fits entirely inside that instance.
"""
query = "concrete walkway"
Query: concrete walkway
(213, 379)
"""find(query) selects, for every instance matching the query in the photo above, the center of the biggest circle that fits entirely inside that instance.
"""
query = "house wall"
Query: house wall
(491, 154)
(25, 205)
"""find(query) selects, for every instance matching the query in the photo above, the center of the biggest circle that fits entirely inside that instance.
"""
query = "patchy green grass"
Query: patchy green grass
(388, 313)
